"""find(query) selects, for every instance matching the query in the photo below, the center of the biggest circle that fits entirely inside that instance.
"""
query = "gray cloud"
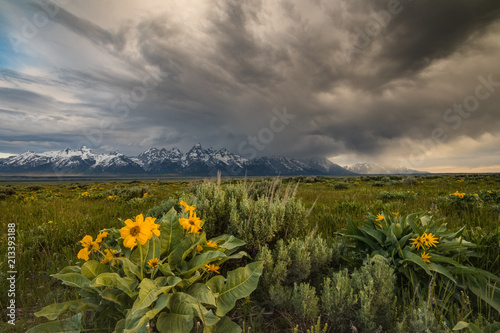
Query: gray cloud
(226, 67)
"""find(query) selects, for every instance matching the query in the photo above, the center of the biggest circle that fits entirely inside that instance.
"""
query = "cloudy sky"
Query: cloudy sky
(412, 83)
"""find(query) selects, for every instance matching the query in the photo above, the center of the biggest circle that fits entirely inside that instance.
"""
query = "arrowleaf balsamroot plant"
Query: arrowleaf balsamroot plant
(419, 248)
(149, 276)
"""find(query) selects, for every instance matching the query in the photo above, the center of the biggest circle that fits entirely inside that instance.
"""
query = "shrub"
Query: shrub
(393, 196)
(420, 320)
(378, 184)
(341, 186)
(409, 180)
(365, 299)
(128, 193)
(164, 207)
(296, 261)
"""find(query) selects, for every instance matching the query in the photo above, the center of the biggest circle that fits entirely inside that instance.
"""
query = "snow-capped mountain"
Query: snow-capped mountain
(196, 162)
(69, 161)
(378, 169)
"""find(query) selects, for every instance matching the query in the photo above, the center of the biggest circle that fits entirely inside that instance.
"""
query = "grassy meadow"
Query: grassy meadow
(52, 217)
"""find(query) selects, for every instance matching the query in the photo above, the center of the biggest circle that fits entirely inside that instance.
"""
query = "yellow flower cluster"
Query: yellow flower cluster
(85, 195)
(193, 223)
(89, 245)
(139, 231)
(460, 195)
(426, 240)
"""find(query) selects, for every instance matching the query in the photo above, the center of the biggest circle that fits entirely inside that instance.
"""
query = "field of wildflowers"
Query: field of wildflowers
(365, 254)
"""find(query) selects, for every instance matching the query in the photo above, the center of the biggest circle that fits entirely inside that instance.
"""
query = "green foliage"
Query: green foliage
(392, 196)
(397, 238)
(365, 299)
(341, 186)
(492, 328)
(164, 207)
(409, 180)
(420, 320)
(296, 261)
(461, 202)
(126, 292)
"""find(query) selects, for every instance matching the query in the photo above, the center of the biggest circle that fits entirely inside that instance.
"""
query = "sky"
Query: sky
(401, 83)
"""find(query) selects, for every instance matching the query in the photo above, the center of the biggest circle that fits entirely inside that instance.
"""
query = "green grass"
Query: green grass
(51, 218)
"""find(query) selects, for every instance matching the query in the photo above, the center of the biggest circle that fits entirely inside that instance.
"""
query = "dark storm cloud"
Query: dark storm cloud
(224, 71)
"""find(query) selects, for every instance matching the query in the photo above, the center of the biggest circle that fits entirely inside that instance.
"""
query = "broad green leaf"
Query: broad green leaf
(416, 229)
(365, 240)
(183, 309)
(202, 259)
(114, 280)
(165, 269)
(116, 296)
(375, 234)
(74, 280)
(185, 283)
(416, 259)
(441, 270)
(174, 323)
(202, 293)
(462, 324)
(135, 256)
(149, 292)
(133, 320)
(131, 270)
(153, 249)
(171, 232)
(440, 258)
(70, 269)
(92, 268)
(69, 325)
(492, 328)
(225, 325)
(230, 242)
(147, 295)
(51, 312)
(177, 256)
(240, 283)
(160, 304)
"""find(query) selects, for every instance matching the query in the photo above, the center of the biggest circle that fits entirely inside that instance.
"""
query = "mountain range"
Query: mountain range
(378, 169)
(196, 162)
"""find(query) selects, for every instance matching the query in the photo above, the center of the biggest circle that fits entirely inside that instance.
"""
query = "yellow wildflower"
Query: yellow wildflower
(191, 224)
(429, 239)
(101, 235)
(138, 231)
(199, 248)
(88, 245)
(110, 254)
(187, 208)
(211, 244)
(426, 257)
(153, 263)
(418, 242)
(212, 268)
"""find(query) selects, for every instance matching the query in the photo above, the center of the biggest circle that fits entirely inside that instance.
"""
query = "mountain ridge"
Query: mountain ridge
(380, 169)
(196, 162)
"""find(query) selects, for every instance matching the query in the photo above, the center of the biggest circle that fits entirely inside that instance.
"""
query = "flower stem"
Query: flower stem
(142, 263)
